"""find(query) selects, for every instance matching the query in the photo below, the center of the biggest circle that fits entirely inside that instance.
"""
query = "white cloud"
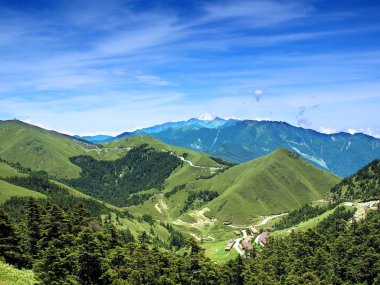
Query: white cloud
(207, 117)
(327, 130)
(153, 80)
(352, 131)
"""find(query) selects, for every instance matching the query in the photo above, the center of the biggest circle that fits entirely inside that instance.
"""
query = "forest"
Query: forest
(72, 247)
(363, 185)
(142, 168)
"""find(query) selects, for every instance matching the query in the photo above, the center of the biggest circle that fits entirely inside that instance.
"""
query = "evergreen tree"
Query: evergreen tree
(10, 242)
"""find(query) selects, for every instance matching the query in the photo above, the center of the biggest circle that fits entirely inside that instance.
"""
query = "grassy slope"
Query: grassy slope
(181, 175)
(197, 158)
(10, 275)
(8, 171)
(39, 149)
(303, 226)
(272, 184)
(9, 190)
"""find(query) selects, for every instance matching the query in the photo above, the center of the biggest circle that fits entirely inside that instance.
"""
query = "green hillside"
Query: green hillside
(8, 190)
(278, 182)
(364, 184)
(197, 158)
(39, 149)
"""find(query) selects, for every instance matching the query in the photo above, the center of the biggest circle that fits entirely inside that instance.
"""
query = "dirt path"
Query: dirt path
(161, 206)
(201, 219)
(263, 222)
(198, 166)
(360, 212)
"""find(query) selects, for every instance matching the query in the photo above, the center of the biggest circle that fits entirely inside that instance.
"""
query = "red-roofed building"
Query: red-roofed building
(229, 245)
(246, 245)
(255, 231)
(263, 238)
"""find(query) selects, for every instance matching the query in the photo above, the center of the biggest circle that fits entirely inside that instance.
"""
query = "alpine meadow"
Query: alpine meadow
(211, 142)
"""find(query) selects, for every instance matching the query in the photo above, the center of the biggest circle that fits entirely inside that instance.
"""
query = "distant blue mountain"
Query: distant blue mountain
(97, 138)
(240, 141)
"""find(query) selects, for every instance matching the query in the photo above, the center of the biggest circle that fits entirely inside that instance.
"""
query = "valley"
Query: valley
(141, 186)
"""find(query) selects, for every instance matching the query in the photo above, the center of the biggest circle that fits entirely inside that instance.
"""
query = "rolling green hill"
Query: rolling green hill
(40, 149)
(278, 182)
(8, 190)
(364, 184)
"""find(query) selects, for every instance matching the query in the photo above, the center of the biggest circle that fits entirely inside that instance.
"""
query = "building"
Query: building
(270, 229)
(248, 238)
(229, 245)
(255, 231)
(237, 232)
(246, 245)
(262, 239)
(227, 223)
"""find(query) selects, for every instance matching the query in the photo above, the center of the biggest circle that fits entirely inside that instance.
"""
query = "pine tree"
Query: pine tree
(10, 243)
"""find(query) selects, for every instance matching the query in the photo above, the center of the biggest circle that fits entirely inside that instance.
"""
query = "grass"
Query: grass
(304, 226)
(216, 252)
(10, 275)
(197, 158)
(8, 171)
(276, 183)
(9, 190)
(39, 149)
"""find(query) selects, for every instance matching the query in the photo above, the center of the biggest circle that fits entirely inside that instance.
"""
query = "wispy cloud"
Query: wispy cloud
(81, 58)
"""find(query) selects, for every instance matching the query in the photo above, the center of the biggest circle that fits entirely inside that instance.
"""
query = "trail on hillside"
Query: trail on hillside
(263, 222)
(161, 206)
(201, 219)
(198, 166)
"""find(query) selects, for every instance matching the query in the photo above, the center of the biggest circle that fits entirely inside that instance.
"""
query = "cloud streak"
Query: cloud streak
(222, 57)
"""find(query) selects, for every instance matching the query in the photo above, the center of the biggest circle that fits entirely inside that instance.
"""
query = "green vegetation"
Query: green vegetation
(276, 183)
(222, 162)
(70, 238)
(175, 190)
(68, 247)
(197, 199)
(40, 149)
(140, 169)
(364, 184)
(215, 251)
(58, 195)
(197, 158)
(303, 214)
(8, 190)
(9, 275)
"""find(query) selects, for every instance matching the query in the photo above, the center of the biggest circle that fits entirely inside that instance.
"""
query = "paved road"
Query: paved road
(236, 246)
(269, 218)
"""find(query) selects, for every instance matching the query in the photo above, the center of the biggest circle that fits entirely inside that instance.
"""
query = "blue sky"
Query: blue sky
(87, 67)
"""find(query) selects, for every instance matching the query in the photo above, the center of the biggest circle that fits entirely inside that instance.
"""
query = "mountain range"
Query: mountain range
(141, 184)
(240, 141)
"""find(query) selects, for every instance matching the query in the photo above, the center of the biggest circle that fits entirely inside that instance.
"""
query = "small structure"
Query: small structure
(248, 239)
(237, 232)
(263, 238)
(229, 245)
(255, 231)
(227, 223)
(246, 245)
(270, 229)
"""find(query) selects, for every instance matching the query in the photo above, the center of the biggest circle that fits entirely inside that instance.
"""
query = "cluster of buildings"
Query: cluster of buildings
(261, 238)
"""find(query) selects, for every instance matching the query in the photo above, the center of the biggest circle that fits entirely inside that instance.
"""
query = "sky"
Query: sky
(88, 67)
